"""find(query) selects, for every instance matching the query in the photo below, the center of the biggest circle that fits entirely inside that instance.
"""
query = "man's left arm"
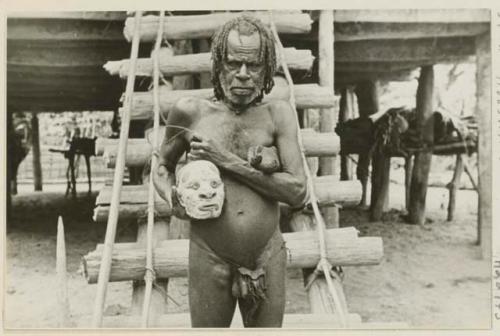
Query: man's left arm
(288, 185)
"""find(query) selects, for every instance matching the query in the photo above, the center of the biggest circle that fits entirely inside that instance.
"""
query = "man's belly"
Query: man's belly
(247, 222)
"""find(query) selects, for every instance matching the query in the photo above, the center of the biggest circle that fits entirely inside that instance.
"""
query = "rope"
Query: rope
(105, 268)
(150, 275)
(324, 265)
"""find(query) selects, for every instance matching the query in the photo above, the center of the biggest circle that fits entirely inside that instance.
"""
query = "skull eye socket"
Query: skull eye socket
(194, 186)
(214, 184)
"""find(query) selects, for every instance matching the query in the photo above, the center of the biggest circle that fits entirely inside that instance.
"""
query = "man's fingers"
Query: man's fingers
(197, 145)
(196, 137)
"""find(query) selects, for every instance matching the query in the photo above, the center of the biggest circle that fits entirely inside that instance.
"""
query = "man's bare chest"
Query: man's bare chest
(237, 133)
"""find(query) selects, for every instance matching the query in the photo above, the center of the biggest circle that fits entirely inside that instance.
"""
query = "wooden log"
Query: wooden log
(27, 30)
(423, 159)
(204, 26)
(183, 320)
(404, 50)
(355, 31)
(329, 191)
(413, 15)
(62, 282)
(198, 63)
(35, 144)
(396, 66)
(318, 293)
(306, 95)
(158, 303)
(454, 185)
(347, 78)
(139, 152)
(483, 112)
(171, 257)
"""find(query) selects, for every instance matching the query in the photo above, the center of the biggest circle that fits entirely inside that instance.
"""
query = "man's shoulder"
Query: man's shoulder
(191, 106)
(279, 109)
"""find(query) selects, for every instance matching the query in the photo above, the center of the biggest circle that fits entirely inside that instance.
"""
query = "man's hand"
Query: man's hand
(264, 159)
(160, 176)
(203, 148)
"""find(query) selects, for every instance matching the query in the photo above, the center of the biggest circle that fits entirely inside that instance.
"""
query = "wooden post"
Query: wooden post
(368, 103)
(422, 164)
(380, 184)
(408, 173)
(483, 113)
(62, 284)
(37, 166)
(345, 113)
(326, 73)
(327, 118)
(454, 185)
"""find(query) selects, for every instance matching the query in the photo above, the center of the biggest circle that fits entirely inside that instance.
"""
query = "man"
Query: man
(240, 255)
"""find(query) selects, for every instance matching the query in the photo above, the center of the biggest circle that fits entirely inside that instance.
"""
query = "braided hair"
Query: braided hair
(267, 54)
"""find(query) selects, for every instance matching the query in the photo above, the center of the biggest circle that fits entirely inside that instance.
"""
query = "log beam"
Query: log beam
(413, 15)
(197, 63)
(139, 152)
(171, 257)
(306, 95)
(483, 112)
(404, 50)
(204, 26)
(423, 159)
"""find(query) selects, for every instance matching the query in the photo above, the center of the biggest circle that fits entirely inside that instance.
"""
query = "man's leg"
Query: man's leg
(210, 298)
(270, 312)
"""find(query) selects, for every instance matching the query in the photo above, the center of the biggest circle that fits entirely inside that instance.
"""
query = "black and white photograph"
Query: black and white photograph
(274, 168)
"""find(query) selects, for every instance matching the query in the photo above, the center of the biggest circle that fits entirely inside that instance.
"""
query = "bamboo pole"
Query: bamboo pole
(105, 267)
(62, 282)
(423, 159)
(408, 173)
(323, 264)
(149, 276)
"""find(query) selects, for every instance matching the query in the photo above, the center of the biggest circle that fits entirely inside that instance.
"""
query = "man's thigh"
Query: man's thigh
(270, 311)
(210, 299)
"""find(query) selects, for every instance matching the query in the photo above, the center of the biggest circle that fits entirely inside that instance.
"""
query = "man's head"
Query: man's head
(200, 190)
(244, 61)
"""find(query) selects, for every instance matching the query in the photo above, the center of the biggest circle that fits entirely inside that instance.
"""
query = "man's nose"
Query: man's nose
(207, 194)
(243, 73)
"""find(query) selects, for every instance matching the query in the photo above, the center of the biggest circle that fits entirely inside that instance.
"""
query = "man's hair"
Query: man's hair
(267, 54)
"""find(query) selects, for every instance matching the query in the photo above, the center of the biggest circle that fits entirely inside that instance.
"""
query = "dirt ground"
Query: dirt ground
(431, 276)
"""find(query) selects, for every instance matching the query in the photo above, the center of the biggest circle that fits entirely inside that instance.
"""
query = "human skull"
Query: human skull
(200, 190)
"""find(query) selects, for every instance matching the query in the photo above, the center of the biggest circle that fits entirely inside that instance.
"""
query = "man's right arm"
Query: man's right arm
(173, 146)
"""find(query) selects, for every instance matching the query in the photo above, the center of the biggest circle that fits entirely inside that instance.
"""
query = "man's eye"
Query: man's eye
(253, 66)
(233, 64)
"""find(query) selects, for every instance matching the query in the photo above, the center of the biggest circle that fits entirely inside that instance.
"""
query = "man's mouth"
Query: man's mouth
(241, 91)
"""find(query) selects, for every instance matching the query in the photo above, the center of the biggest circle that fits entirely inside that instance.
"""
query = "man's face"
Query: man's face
(242, 75)
(200, 190)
